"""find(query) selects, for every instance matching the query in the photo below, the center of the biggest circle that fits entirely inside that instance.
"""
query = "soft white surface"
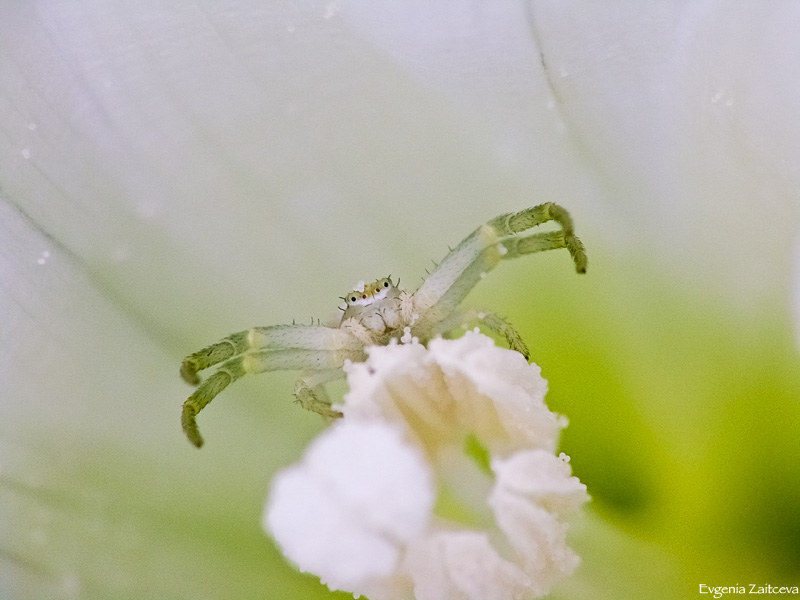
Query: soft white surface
(345, 513)
(533, 488)
(463, 565)
(453, 389)
(210, 151)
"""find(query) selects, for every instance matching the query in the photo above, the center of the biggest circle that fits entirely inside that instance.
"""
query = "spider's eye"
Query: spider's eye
(385, 284)
(352, 299)
(364, 296)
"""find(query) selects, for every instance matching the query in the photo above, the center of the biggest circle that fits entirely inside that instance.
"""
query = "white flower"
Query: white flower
(533, 488)
(441, 483)
(331, 524)
(454, 388)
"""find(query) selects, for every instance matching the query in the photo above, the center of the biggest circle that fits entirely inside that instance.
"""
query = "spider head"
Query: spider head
(371, 304)
(365, 294)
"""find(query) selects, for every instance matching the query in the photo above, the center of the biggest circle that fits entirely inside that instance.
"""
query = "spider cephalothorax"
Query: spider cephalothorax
(375, 306)
(376, 313)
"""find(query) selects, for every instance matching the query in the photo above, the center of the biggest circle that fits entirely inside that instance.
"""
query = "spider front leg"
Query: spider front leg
(258, 362)
(515, 223)
(478, 253)
(302, 337)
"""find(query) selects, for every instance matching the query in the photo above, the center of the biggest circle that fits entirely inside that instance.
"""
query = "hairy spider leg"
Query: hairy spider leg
(465, 265)
(276, 337)
(258, 361)
(491, 321)
(540, 242)
(514, 223)
(309, 391)
(462, 268)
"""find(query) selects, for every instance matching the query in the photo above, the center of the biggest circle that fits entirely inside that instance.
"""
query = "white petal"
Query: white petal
(462, 565)
(503, 383)
(346, 511)
(369, 396)
(455, 387)
(376, 475)
(322, 537)
(542, 478)
(533, 529)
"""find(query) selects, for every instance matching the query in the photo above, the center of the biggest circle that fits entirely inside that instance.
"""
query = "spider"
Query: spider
(379, 313)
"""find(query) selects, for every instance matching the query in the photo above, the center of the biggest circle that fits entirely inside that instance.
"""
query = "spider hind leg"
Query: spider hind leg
(502, 327)
(492, 321)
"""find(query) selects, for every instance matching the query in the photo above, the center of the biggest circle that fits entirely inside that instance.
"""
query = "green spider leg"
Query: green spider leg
(309, 392)
(279, 347)
(278, 337)
(514, 223)
(465, 265)
(491, 321)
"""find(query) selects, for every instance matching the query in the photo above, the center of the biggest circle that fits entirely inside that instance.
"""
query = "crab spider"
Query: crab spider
(376, 314)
